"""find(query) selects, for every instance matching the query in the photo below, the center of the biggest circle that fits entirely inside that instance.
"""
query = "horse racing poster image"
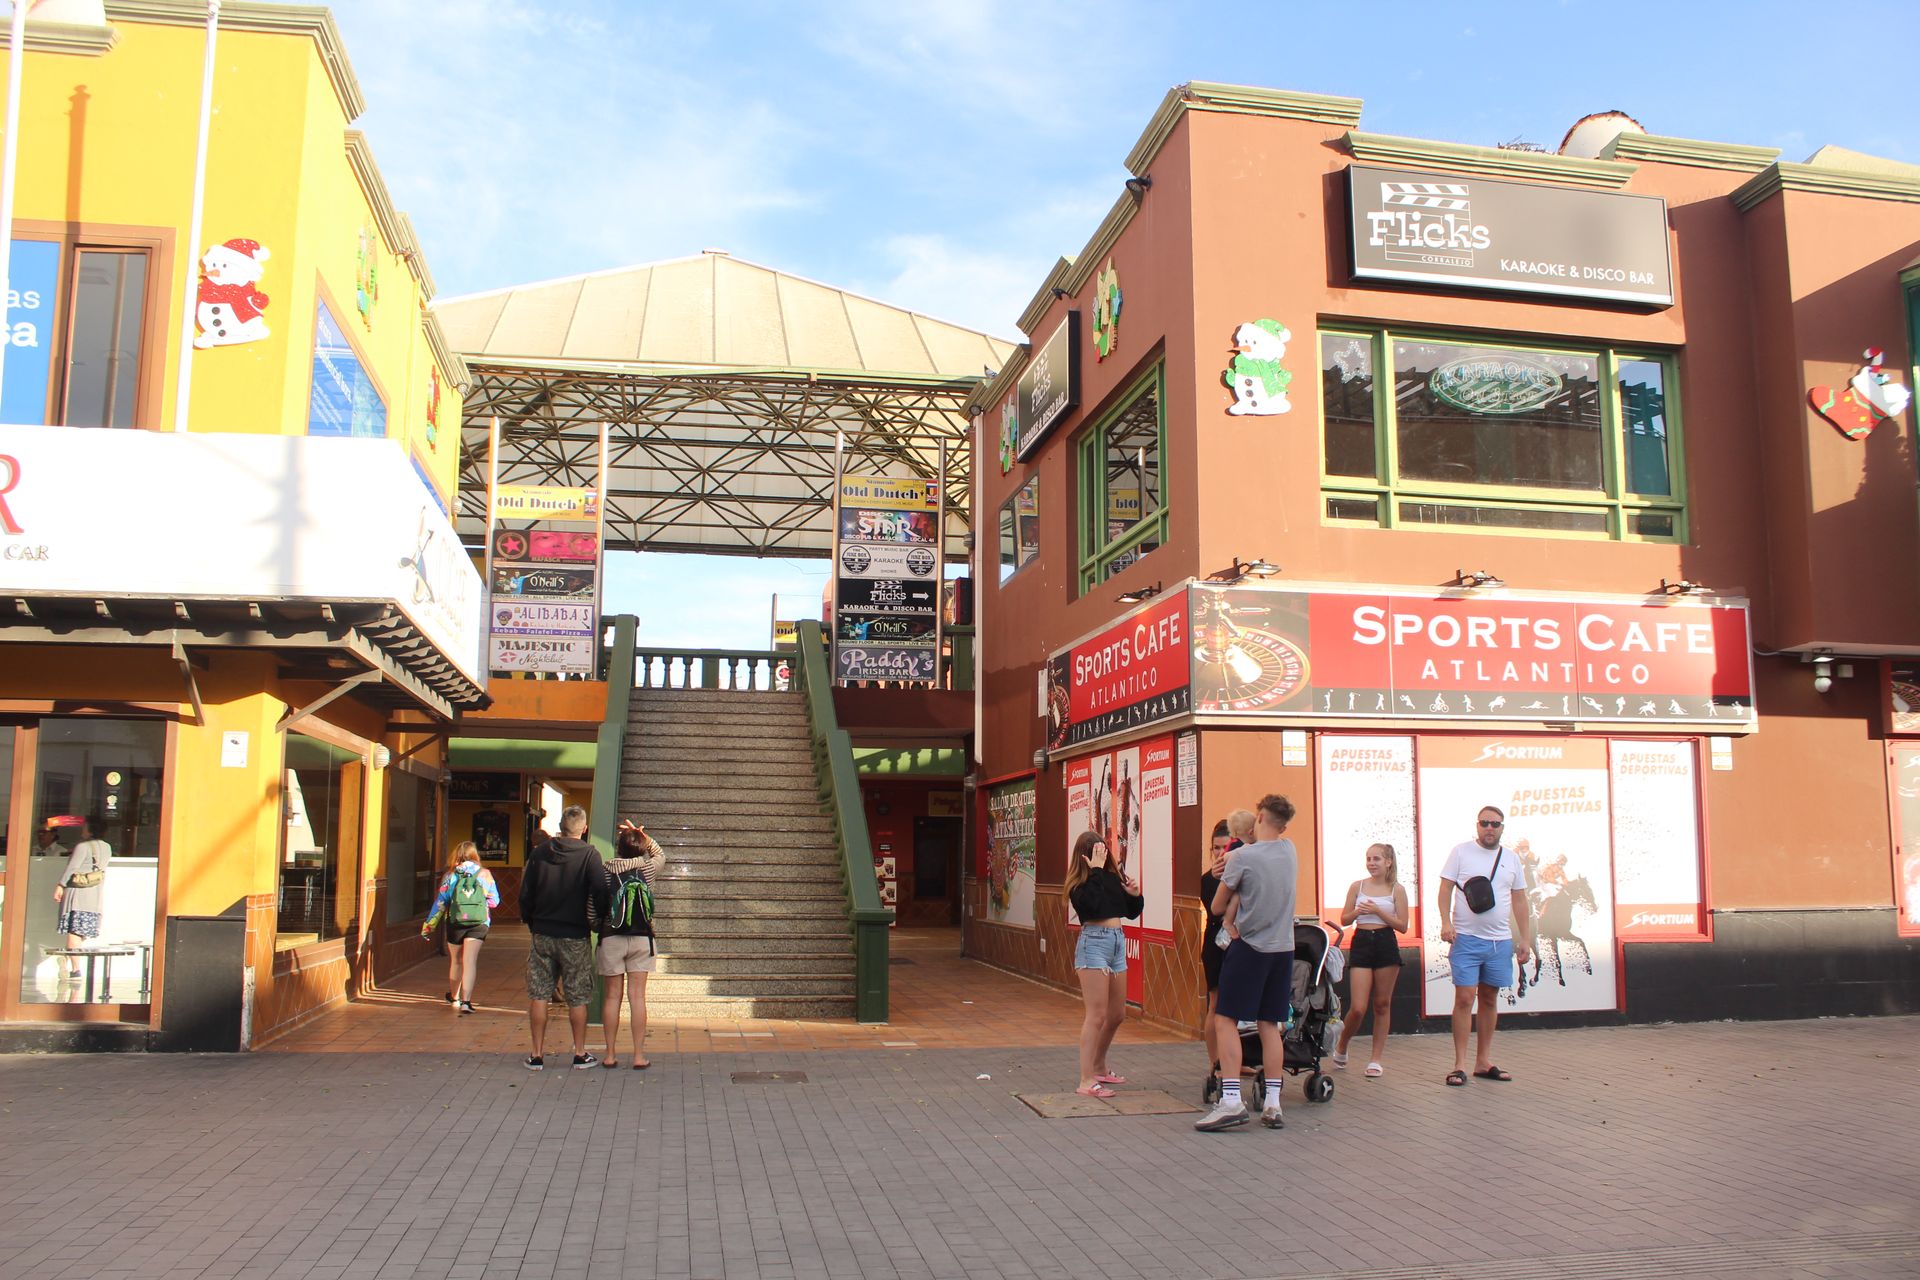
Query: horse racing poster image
(1554, 792)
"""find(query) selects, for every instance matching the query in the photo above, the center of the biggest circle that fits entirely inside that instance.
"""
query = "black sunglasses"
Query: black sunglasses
(1485, 823)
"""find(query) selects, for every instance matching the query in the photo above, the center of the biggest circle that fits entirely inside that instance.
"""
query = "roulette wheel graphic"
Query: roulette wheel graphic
(1242, 661)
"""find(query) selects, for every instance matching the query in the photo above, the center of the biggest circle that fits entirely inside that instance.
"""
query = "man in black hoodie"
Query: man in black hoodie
(562, 875)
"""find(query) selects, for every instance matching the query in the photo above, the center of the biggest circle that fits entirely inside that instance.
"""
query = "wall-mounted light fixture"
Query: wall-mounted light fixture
(1058, 292)
(1138, 594)
(1040, 758)
(382, 755)
(1240, 570)
(1478, 579)
(1822, 671)
(1683, 588)
(1139, 185)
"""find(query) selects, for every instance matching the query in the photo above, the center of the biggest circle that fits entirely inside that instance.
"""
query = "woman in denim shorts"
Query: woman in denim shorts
(1103, 898)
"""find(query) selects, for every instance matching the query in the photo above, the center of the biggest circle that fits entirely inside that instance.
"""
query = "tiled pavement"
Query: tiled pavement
(1762, 1150)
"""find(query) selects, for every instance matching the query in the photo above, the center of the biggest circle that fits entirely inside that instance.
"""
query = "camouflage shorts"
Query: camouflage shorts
(568, 959)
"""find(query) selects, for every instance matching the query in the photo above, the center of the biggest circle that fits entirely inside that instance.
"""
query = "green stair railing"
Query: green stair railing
(840, 792)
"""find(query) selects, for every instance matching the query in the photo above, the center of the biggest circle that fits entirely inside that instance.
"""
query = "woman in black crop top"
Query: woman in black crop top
(1103, 898)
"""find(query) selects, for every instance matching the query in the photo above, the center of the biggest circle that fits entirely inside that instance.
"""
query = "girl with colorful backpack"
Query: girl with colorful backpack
(627, 954)
(467, 897)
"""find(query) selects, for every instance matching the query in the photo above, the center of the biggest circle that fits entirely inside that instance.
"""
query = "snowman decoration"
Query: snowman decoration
(228, 307)
(1258, 383)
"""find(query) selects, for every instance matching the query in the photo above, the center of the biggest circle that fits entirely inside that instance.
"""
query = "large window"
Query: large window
(412, 856)
(1020, 529)
(104, 342)
(1499, 437)
(320, 807)
(1122, 513)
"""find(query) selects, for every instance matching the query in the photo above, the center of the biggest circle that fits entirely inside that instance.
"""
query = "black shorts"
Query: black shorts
(1374, 949)
(1255, 986)
(1210, 958)
(459, 933)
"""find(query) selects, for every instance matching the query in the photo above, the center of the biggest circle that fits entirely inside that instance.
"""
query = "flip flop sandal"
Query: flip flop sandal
(1375, 1069)
(1097, 1091)
(1110, 1079)
(641, 1066)
(609, 1063)
(1493, 1073)
(1456, 1078)
(1339, 1062)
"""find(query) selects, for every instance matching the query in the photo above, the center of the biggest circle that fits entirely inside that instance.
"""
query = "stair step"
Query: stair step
(770, 913)
(706, 782)
(793, 696)
(702, 873)
(696, 986)
(780, 1008)
(812, 963)
(692, 943)
(648, 752)
(816, 886)
(739, 813)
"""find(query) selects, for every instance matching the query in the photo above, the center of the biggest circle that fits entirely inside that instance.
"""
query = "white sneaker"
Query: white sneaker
(1225, 1115)
(1272, 1119)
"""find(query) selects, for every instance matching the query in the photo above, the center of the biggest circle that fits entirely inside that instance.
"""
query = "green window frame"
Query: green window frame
(1108, 545)
(1611, 510)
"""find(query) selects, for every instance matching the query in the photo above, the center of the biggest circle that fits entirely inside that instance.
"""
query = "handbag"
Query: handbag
(89, 878)
(1479, 889)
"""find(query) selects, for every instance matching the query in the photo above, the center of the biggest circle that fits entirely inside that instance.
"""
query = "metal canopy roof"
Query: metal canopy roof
(724, 385)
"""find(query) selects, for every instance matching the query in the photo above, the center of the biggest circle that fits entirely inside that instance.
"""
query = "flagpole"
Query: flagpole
(16, 61)
(185, 379)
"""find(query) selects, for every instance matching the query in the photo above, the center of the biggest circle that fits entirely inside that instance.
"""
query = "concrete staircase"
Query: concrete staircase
(751, 912)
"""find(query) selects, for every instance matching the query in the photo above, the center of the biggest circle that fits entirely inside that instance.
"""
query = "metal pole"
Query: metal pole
(833, 570)
(185, 379)
(16, 65)
(940, 574)
(600, 540)
(486, 586)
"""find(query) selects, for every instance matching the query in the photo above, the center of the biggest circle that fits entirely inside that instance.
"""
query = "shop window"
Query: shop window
(1499, 437)
(320, 810)
(1122, 486)
(1020, 529)
(104, 339)
(412, 845)
(96, 809)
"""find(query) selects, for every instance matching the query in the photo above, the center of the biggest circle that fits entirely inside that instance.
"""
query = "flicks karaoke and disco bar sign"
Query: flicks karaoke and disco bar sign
(886, 614)
(1521, 237)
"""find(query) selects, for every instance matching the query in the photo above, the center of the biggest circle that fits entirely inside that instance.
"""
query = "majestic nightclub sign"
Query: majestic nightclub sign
(1522, 237)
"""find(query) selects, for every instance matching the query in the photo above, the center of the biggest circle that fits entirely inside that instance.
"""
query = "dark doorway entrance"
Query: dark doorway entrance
(936, 865)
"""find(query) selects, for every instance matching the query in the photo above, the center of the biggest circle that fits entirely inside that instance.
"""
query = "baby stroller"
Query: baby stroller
(1313, 1025)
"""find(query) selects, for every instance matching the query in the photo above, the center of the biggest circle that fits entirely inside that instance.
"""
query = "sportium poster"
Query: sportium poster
(1656, 842)
(1554, 793)
(1010, 854)
(1366, 798)
(1127, 796)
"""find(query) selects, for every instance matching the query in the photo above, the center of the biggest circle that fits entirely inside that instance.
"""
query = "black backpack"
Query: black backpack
(630, 905)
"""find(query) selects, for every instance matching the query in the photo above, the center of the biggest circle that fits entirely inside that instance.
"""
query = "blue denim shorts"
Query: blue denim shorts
(1481, 962)
(1101, 946)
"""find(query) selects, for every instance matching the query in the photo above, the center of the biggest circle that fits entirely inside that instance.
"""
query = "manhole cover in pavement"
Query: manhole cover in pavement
(769, 1077)
(1076, 1106)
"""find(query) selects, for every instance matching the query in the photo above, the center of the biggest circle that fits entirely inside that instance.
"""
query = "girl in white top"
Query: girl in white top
(1377, 909)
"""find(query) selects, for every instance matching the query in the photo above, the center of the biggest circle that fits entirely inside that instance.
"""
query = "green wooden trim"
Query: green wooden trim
(1615, 503)
(610, 747)
(69, 37)
(1094, 548)
(1201, 95)
(531, 754)
(840, 793)
(1651, 147)
(1819, 180)
(1043, 297)
(1488, 162)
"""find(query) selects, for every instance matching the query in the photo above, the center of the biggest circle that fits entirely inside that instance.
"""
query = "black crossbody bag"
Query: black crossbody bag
(1479, 889)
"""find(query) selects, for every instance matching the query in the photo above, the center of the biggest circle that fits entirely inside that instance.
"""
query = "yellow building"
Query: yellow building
(232, 642)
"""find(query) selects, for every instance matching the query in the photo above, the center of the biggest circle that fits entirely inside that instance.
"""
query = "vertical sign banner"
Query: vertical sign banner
(544, 581)
(1904, 764)
(1049, 387)
(1656, 842)
(27, 335)
(886, 609)
(1554, 793)
(1126, 795)
(1011, 854)
(1366, 798)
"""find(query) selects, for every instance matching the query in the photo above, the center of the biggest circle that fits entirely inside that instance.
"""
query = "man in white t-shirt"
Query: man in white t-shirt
(1484, 943)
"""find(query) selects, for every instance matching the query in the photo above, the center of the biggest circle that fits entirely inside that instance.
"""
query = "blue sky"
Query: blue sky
(941, 155)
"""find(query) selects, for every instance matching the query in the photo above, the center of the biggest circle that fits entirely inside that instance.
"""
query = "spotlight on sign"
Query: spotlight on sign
(1682, 588)
(1478, 580)
(1138, 594)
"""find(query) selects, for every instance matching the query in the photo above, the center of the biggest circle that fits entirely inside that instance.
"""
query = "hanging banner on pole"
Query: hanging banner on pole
(544, 577)
(886, 613)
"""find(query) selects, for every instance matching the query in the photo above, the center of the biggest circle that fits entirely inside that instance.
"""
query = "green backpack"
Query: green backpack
(469, 899)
